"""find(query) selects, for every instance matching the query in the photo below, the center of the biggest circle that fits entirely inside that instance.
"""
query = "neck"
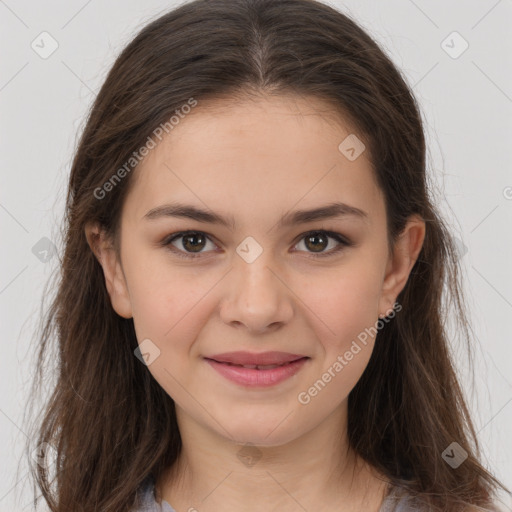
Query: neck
(316, 471)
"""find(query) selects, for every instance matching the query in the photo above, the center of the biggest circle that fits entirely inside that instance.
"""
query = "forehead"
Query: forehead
(252, 156)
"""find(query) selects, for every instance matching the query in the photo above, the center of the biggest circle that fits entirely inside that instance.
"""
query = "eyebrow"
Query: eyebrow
(329, 211)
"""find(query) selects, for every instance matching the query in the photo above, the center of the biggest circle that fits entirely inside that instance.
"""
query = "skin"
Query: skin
(257, 160)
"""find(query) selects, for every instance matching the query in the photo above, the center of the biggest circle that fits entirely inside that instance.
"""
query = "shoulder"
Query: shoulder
(494, 508)
(399, 499)
(146, 501)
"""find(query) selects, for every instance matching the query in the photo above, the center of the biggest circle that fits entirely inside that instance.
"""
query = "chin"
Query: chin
(273, 430)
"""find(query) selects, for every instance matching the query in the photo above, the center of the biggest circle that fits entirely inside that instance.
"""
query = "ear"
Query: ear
(405, 254)
(102, 247)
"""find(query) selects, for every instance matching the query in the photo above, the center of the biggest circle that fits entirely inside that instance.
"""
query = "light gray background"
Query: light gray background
(467, 106)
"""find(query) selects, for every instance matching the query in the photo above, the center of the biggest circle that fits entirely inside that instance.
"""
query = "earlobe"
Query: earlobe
(115, 281)
(405, 255)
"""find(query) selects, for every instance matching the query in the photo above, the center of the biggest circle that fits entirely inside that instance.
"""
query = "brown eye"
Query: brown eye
(317, 242)
(191, 244)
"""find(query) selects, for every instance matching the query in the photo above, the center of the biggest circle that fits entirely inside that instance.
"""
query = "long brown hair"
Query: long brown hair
(109, 422)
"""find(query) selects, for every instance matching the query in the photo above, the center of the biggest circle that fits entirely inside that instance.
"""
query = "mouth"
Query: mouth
(256, 366)
(257, 375)
(256, 360)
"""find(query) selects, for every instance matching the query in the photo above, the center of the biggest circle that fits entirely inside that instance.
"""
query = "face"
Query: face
(268, 279)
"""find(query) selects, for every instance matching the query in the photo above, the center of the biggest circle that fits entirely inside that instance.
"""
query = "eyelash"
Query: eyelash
(344, 242)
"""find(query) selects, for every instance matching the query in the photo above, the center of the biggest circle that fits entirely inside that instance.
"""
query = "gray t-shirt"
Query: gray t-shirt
(396, 501)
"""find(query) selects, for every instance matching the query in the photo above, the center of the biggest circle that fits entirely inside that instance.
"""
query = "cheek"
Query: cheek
(345, 316)
(164, 306)
(345, 304)
(170, 307)
(170, 303)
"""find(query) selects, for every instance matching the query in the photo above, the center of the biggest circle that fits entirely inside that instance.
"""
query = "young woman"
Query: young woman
(251, 309)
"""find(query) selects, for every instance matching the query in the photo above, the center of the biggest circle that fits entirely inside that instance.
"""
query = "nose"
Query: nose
(256, 296)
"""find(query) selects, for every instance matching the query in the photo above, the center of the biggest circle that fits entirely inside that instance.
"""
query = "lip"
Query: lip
(255, 377)
(253, 358)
